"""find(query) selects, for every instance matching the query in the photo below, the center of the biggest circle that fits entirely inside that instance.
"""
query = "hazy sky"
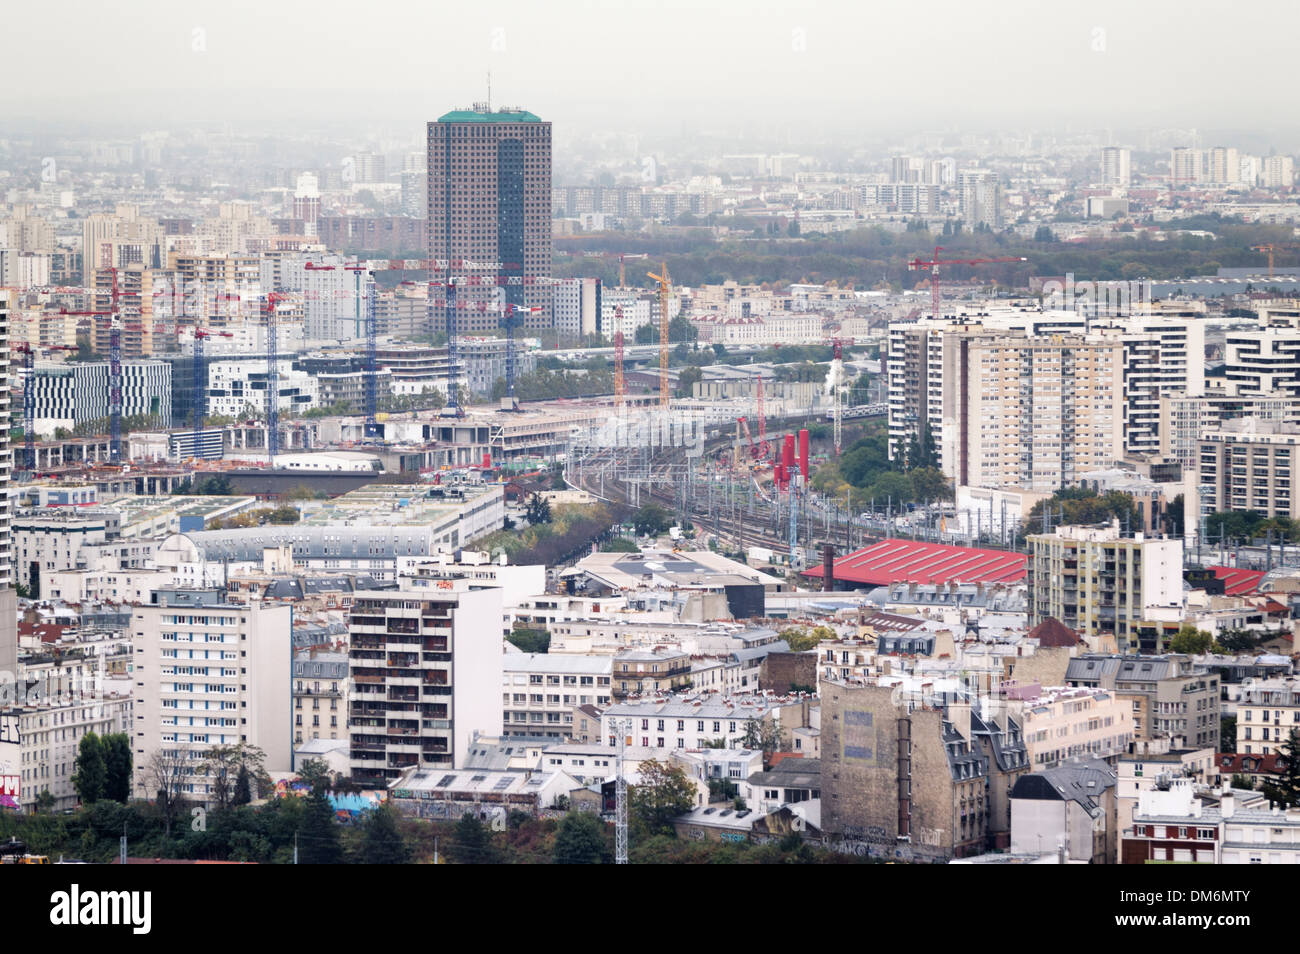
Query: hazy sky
(664, 64)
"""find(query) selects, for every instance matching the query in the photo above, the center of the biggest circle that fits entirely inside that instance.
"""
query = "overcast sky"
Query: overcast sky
(663, 64)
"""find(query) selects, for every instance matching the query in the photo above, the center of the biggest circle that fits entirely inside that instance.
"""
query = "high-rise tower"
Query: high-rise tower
(490, 213)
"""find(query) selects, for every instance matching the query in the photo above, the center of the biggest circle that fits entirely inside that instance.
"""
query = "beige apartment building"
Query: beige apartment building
(1266, 717)
(1249, 465)
(209, 673)
(1075, 723)
(1100, 583)
(1008, 409)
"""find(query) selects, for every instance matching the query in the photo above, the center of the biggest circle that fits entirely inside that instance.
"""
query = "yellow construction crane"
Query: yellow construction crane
(1270, 249)
(665, 285)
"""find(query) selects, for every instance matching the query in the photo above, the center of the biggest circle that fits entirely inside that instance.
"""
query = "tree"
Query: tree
(921, 449)
(91, 772)
(1191, 641)
(538, 510)
(687, 379)
(315, 773)
(117, 763)
(45, 802)
(645, 334)
(472, 842)
(243, 793)
(318, 834)
(1228, 734)
(1284, 787)
(766, 735)
(530, 640)
(663, 793)
(929, 483)
(651, 520)
(224, 764)
(580, 840)
(381, 841)
(801, 639)
(165, 774)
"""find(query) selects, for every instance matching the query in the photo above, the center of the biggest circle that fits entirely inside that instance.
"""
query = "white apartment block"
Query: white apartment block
(40, 742)
(54, 540)
(577, 307)
(1161, 357)
(1266, 717)
(1116, 166)
(425, 674)
(539, 691)
(685, 722)
(981, 198)
(1278, 172)
(1263, 362)
(236, 383)
(1184, 419)
(209, 674)
(626, 311)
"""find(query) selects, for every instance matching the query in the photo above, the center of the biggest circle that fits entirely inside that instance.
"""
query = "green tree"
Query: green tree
(243, 793)
(1191, 640)
(472, 842)
(1284, 787)
(687, 378)
(381, 839)
(117, 766)
(315, 773)
(929, 483)
(645, 334)
(663, 793)
(921, 448)
(90, 773)
(530, 640)
(1228, 734)
(538, 510)
(802, 639)
(652, 520)
(580, 840)
(318, 836)
(764, 735)
(619, 545)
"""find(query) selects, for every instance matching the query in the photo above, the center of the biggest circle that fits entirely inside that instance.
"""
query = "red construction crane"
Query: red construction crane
(934, 263)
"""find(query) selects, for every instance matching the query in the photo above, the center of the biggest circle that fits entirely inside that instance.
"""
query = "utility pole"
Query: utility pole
(621, 727)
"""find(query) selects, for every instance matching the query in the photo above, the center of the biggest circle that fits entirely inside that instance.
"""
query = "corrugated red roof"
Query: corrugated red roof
(1238, 582)
(907, 561)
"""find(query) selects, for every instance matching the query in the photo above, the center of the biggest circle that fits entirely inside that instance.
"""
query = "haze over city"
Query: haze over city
(832, 69)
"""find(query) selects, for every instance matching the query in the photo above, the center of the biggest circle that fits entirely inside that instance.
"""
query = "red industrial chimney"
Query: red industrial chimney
(803, 452)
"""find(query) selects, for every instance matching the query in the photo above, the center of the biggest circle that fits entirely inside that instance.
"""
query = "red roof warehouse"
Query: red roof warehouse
(906, 561)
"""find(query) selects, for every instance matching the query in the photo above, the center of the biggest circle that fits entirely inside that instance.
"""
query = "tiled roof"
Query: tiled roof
(1236, 581)
(907, 561)
(1052, 632)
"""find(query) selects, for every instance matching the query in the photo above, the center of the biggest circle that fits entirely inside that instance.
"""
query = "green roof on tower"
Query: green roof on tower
(503, 115)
